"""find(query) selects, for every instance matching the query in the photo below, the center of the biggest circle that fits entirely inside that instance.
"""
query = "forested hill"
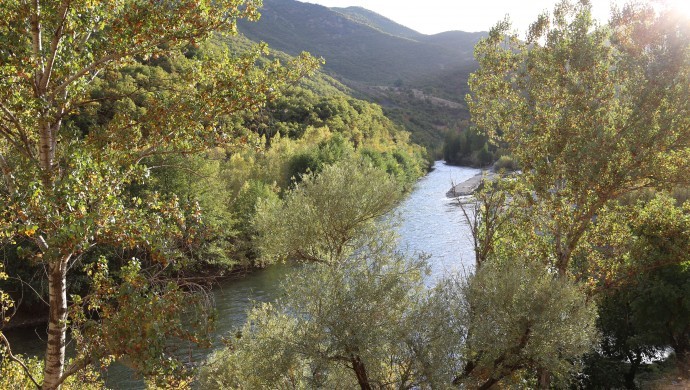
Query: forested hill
(401, 69)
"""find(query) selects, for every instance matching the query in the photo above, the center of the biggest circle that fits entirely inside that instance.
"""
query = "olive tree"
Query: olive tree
(338, 325)
(320, 219)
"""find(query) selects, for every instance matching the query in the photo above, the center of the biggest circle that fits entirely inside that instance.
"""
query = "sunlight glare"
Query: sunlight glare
(682, 6)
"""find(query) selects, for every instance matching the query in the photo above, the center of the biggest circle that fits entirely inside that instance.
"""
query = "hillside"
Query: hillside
(354, 50)
(379, 22)
(370, 53)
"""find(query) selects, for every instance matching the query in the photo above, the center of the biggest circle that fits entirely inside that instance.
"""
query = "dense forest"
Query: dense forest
(147, 149)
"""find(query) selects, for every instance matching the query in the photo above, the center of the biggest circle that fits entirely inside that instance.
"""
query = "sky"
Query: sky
(434, 16)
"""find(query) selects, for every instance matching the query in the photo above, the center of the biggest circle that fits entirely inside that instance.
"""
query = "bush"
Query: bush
(506, 163)
(301, 164)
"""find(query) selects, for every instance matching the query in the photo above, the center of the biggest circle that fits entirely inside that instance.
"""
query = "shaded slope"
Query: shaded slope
(363, 50)
(419, 80)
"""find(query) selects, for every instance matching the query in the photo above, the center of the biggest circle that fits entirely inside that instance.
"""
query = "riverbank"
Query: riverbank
(33, 316)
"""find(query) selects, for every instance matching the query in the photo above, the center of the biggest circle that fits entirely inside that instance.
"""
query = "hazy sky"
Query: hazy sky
(434, 16)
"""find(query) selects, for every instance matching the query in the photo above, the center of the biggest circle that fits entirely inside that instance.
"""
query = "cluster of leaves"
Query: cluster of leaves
(163, 313)
(320, 219)
(640, 275)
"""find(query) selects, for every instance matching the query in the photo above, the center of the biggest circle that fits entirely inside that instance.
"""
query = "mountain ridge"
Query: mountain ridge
(378, 21)
(370, 53)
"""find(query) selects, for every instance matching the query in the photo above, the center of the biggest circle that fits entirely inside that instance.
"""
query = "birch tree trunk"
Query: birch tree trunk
(57, 324)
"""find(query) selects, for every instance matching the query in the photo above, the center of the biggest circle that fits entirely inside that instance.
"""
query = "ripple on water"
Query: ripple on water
(435, 225)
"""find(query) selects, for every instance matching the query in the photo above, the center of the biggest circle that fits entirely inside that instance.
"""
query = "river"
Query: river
(430, 223)
(434, 224)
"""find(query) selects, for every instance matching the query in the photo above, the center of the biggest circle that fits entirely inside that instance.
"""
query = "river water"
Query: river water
(430, 223)
(434, 224)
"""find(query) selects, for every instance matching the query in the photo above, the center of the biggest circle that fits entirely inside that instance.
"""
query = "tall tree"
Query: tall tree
(62, 190)
(591, 112)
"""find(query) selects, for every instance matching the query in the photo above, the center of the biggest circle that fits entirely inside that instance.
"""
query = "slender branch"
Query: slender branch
(79, 46)
(9, 135)
(54, 44)
(73, 106)
(83, 71)
(11, 117)
(38, 295)
(36, 42)
(7, 174)
(18, 361)
(102, 61)
(41, 242)
(307, 257)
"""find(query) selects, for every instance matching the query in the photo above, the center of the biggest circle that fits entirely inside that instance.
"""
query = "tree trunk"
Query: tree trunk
(629, 376)
(361, 372)
(683, 363)
(543, 378)
(57, 324)
(562, 261)
(47, 153)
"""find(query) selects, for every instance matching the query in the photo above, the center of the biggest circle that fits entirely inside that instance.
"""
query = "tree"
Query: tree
(338, 325)
(322, 217)
(63, 190)
(590, 112)
(520, 319)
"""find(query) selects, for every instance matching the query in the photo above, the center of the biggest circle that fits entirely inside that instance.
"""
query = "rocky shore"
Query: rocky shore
(469, 186)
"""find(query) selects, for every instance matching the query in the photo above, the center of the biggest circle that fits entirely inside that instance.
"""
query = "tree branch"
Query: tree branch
(6, 133)
(23, 283)
(73, 369)
(83, 71)
(41, 242)
(18, 361)
(9, 135)
(54, 44)
(37, 45)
